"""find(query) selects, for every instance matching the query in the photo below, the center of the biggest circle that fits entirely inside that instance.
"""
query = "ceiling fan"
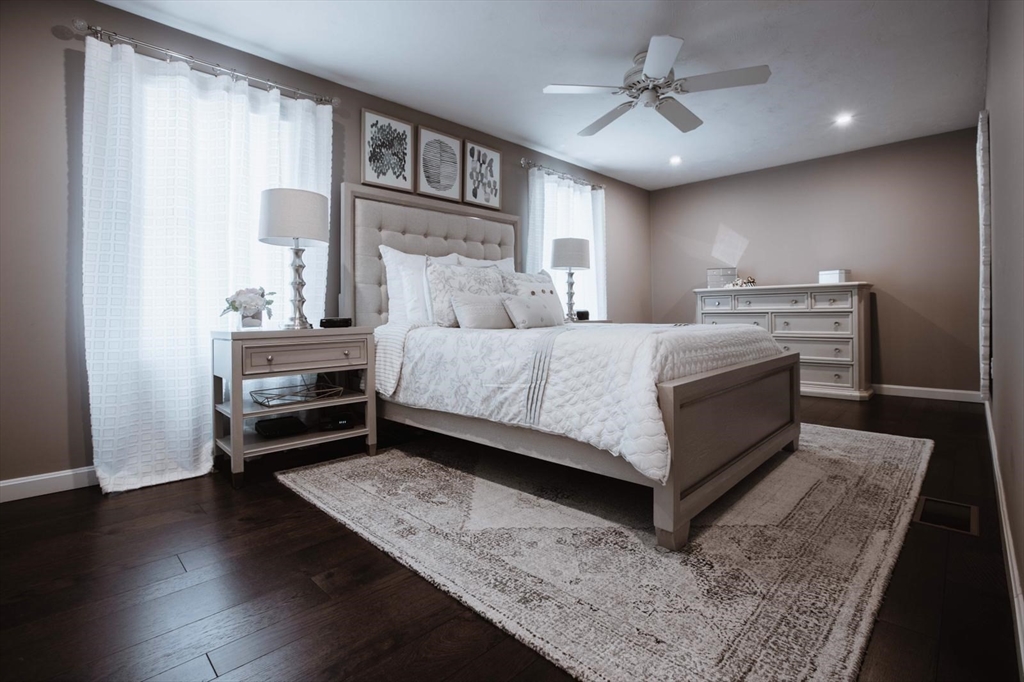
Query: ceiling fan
(651, 81)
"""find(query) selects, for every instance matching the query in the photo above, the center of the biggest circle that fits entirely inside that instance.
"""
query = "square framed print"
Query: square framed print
(388, 151)
(439, 171)
(482, 171)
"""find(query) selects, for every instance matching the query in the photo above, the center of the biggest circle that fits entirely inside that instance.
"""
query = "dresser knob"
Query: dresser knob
(714, 322)
(836, 376)
(837, 351)
(757, 324)
(836, 325)
(747, 302)
(718, 303)
(785, 348)
(346, 352)
(270, 358)
(831, 301)
(793, 302)
(785, 324)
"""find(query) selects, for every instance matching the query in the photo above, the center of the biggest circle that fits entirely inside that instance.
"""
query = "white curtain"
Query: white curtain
(560, 207)
(985, 267)
(174, 163)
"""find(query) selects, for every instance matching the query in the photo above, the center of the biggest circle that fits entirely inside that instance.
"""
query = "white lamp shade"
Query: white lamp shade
(570, 253)
(290, 214)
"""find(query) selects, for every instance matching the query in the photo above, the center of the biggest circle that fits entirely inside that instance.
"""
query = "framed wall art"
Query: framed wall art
(387, 152)
(439, 170)
(482, 171)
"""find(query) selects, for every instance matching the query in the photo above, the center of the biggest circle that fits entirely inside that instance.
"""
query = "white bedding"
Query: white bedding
(594, 383)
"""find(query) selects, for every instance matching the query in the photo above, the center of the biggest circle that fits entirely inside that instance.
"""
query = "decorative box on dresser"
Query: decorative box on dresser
(828, 324)
(240, 356)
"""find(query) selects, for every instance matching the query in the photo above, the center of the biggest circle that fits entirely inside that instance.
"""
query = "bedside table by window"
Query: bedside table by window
(240, 356)
(590, 321)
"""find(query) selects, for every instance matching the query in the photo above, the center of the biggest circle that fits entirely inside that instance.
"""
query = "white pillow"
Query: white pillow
(530, 286)
(446, 280)
(406, 275)
(505, 264)
(480, 312)
(529, 312)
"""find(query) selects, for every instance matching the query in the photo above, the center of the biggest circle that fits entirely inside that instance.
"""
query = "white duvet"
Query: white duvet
(594, 383)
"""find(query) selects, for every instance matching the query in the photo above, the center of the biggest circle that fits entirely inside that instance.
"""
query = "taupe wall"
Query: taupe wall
(903, 216)
(43, 400)
(1005, 102)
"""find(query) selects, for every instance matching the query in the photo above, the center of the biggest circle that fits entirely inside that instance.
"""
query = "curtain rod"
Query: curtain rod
(526, 163)
(83, 26)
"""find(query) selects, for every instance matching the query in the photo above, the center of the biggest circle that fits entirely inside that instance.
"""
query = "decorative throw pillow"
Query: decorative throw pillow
(530, 286)
(480, 312)
(406, 275)
(445, 280)
(530, 312)
(505, 264)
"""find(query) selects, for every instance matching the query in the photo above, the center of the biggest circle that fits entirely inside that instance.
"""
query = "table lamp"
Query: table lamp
(567, 254)
(295, 218)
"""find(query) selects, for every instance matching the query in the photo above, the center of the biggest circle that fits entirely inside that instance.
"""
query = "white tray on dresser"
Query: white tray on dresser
(829, 324)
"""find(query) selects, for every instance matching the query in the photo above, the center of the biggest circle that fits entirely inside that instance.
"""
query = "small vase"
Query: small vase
(253, 319)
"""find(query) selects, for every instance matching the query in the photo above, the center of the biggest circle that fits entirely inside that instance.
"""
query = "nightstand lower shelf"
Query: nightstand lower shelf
(255, 445)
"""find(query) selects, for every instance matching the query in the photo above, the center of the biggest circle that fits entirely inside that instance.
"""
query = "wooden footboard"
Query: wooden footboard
(721, 426)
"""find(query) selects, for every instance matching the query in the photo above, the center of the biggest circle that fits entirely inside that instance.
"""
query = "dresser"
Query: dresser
(828, 324)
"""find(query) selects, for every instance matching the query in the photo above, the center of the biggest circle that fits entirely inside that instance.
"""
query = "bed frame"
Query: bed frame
(721, 425)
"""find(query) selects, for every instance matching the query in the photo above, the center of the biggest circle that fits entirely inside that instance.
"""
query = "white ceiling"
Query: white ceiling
(904, 69)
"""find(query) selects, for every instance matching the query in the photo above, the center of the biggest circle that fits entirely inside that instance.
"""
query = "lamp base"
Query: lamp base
(570, 311)
(298, 319)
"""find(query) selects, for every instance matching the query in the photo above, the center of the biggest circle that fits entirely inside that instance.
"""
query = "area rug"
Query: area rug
(781, 578)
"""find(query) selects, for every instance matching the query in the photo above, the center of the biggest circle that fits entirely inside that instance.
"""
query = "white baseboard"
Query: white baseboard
(930, 393)
(1010, 557)
(44, 484)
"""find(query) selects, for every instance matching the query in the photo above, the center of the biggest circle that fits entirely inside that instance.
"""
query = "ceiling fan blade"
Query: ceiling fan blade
(661, 55)
(582, 89)
(678, 115)
(606, 119)
(752, 75)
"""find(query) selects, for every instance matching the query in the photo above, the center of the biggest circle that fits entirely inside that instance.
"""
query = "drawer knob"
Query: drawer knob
(831, 301)
(785, 323)
(835, 324)
(837, 351)
(785, 348)
(793, 302)
(270, 358)
(718, 303)
(747, 302)
(757, 324)
(347, 352)
(714, 322)
(836, 376)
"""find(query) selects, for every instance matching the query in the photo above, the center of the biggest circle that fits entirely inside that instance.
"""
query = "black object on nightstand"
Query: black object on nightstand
(583, 315)
(335, 322)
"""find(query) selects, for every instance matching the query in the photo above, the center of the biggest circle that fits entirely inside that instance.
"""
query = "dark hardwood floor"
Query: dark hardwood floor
(195, 580)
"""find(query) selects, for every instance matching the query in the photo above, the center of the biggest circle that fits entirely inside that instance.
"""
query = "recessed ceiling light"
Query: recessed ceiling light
(676, 160)
(844, 119)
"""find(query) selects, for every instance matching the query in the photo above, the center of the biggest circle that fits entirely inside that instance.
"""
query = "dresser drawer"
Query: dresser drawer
(832, 299)
(813, 323)
(716, 302)
(284, 357)
(771, 301)
(826, 375)
(819, 349)
(737, 318)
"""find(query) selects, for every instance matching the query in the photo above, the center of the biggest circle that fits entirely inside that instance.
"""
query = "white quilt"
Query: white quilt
(598, 384)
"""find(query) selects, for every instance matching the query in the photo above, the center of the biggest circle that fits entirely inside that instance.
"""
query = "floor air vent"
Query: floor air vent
(963, 518)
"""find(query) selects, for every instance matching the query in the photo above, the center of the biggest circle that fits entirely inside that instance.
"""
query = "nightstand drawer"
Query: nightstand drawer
(302, 356)
(813, 323)
(826, 375)
(772, 301)
(832, 299)
(736, 318)
(819, 349)
(716, 302)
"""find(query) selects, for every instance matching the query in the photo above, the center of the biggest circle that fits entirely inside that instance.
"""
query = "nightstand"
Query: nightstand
(241, 356)
(589, 321)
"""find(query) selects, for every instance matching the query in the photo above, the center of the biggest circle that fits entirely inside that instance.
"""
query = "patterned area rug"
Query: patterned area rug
(781, 578)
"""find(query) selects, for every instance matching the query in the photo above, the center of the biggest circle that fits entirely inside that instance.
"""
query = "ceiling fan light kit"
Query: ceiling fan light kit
(651, 82)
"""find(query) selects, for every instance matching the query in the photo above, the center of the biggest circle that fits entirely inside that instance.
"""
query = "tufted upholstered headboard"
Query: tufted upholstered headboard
(411, 224)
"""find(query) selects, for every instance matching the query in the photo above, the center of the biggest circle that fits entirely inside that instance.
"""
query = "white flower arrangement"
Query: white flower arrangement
(249, 302)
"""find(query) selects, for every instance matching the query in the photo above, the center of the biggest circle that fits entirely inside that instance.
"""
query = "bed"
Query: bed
(720, 424)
